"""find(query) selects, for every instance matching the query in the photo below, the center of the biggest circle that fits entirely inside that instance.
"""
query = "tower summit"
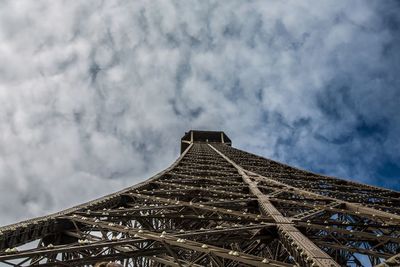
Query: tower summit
(205, 137)
(218, 206)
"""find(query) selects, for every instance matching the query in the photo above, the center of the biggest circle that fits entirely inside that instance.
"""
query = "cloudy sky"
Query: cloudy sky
(95, 95)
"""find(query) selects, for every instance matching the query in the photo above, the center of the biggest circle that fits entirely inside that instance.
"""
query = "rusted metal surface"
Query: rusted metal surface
(217, 206)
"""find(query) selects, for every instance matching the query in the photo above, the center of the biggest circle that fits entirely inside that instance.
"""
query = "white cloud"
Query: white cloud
(99, 93)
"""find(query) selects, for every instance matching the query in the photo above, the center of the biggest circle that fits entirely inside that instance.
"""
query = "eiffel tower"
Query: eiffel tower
(218, 206)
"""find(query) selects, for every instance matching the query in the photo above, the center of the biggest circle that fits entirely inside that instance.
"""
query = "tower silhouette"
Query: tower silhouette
(218, 206)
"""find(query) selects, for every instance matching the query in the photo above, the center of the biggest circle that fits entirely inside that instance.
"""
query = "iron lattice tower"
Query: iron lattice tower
(218, 206)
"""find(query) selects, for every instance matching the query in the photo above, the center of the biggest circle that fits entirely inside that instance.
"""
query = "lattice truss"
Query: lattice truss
(218, 206)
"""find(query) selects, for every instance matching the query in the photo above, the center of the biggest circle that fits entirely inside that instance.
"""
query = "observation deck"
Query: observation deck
(204, 136)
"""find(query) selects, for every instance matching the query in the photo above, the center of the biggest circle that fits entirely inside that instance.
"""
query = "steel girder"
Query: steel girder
(218, 206)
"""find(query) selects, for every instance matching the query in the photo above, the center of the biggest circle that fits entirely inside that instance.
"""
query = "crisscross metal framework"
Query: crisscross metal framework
(218, 206)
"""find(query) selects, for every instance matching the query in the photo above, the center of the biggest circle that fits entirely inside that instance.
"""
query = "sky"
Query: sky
(95, 95)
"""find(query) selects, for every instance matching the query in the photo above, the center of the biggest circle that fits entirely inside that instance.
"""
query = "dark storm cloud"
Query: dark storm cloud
(99, 93)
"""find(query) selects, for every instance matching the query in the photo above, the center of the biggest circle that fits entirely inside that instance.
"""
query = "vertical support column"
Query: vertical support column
(301, 248)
